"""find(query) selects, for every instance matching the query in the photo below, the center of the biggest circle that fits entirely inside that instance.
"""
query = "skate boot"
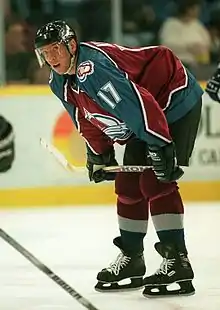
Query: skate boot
(131, 267)
(175, 268)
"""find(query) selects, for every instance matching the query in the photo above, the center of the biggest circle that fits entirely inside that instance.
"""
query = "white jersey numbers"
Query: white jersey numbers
(109, 94)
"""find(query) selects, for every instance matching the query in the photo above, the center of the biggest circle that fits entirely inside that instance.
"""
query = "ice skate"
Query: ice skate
(129, 267)
(175, 268)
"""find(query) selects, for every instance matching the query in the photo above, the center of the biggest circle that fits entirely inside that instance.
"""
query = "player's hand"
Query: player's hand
(7, 152)
(213, 86)
(164, 163)
(96, 163)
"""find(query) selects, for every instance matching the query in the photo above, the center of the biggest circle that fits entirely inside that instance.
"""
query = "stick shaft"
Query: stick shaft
(126, 168)
(63, 161)
(46, 270)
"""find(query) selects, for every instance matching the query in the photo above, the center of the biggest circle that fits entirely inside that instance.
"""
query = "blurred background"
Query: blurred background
(127, 22)
(76, 242)
(191, 28)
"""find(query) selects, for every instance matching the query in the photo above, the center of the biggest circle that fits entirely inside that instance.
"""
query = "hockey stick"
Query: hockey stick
(63, 161)
(59, 156)
(83, 301)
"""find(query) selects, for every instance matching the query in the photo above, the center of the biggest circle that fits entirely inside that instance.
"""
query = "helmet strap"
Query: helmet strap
(72, 60)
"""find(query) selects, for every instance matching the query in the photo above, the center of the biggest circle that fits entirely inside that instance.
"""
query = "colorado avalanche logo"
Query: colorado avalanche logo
(111, 126)
(84, 69)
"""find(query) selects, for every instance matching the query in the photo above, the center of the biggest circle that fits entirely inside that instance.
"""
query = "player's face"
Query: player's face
(57, 56)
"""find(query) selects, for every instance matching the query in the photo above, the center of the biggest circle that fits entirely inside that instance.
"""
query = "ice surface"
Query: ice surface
(77, 242)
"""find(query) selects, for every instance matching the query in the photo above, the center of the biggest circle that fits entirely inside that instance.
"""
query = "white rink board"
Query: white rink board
(205, 163)
(33, 116)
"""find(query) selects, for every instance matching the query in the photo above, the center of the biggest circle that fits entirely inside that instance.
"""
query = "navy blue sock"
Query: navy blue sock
(174, 236)
(132, 241)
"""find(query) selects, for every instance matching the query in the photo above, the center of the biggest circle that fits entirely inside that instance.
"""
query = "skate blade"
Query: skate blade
(135, 284)
(161, 291)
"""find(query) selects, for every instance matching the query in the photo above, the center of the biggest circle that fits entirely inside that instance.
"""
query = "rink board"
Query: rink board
(37, 179)
(97, 195)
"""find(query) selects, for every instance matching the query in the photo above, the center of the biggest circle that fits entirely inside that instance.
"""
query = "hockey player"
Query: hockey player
(213, 85)
(7, 152)
(146, 99)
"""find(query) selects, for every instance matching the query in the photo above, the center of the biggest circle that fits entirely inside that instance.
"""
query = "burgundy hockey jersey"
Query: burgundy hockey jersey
(121, 92)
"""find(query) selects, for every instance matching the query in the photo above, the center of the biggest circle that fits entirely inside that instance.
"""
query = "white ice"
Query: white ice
(77, 242)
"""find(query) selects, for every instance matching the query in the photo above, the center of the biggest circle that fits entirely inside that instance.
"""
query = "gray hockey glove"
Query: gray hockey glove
(213, 86)
(95, 163)
(7, 150)
(164, 163)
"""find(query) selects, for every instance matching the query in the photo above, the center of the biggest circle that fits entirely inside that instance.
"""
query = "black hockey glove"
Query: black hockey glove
(213, 86)
(7, 152)
(95, 163)
(164, 163)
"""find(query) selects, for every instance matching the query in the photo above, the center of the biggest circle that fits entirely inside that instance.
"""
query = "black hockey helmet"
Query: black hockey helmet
(53, 32)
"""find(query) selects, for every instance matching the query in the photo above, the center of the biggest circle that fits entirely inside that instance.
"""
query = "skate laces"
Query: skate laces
(120, 262)
(165, 266)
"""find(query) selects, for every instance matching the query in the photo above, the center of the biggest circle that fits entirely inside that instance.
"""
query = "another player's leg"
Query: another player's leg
(7, 147)
(132, 211)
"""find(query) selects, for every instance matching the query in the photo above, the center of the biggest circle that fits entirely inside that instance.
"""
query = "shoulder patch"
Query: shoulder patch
(84, 69)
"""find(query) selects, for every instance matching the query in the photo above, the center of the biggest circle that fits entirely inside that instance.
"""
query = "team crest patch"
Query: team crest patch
(84, 69)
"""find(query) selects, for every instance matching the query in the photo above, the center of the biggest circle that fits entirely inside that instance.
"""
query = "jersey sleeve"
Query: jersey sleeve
(213, 85)
(112, 90)
(95, 139)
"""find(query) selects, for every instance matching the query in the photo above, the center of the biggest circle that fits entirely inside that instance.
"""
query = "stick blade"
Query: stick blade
(60, 157)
